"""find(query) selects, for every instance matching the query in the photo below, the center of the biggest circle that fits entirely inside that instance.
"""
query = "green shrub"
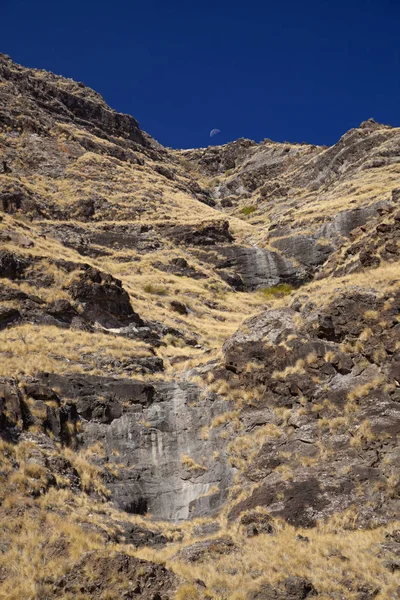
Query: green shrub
(248, 210)
(283, 289)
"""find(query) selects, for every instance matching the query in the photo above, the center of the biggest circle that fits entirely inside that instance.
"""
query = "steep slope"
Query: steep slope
(199, 358)
(305, 199)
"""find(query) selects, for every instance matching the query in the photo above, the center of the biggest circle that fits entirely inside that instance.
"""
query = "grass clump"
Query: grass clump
(283, 289)
(248, 210)
(155, 289)
(191, 465)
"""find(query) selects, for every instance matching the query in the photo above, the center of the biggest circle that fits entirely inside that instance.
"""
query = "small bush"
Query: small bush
(248, 210)
(157, 290)
(229, 172)
(283, 289)
(188, 592)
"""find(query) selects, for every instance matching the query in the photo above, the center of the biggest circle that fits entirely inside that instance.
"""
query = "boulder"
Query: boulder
(256, 523)
(206, 549)
(294, 588)
(104, 299)
(8, 316)
(12, 266)
(179, 307)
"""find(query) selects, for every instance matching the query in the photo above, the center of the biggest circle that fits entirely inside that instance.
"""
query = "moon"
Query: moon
(214, 132)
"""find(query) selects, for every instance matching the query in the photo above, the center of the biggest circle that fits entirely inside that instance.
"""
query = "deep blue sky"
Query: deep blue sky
(296, 70)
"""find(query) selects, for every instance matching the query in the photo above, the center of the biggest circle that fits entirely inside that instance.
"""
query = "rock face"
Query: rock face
(261, 268)
(314, 250)
(153, 434)
(199, 358)
(169, 469)
(361, 445)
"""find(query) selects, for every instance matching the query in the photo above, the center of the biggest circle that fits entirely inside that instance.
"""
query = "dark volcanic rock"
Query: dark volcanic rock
(101, 411)
(18, 201)
(138, 536)
(120, 574)
(256, 523)
(287, 358)
(108, 388)
(40, 391)
(294, 588)
(232, 279)
(313, 250)
(260, 268)
(218, 159)
(7, 316)
(180, 267)
(62, 311)
(16, 415)
(11, 265)
(306, 249)
(206, 234)
(102, 239)
(368, 246)
(12, 410)
(301, 501)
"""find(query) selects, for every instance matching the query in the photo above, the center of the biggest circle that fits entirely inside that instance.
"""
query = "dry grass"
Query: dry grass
(362, 390)
(244, 448)
(270, 558)
(191, 465)
(28, 349)
(297, 368)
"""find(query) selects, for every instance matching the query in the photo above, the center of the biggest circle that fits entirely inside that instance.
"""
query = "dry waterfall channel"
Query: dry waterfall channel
(169, 470)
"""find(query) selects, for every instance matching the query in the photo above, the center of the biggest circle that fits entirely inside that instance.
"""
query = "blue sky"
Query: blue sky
(290, 70)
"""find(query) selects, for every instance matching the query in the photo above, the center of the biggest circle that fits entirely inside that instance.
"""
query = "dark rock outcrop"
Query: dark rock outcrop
(179, 307)
(118, 574)
(104, 299)
(7, 316)
(71, 102)
(256, 523)
(181, 267)
(290, 356)
(11, 265)
(201, 551)
(294, 588)
(207, 234)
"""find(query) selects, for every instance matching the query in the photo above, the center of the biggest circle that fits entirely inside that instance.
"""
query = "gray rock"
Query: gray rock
(169, 470)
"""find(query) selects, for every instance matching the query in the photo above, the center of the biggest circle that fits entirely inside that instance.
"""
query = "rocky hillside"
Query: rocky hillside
(199, 359)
